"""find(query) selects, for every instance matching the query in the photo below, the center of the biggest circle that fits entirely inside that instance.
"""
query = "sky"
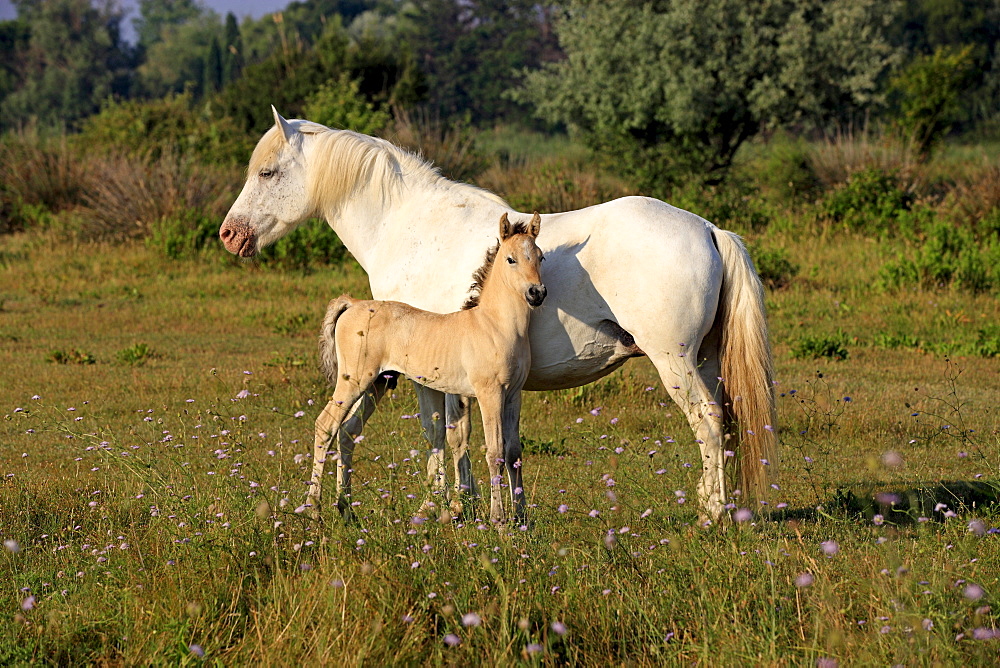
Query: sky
(241, 8)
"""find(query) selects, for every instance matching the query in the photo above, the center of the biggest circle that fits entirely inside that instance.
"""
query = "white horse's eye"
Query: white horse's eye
(266, 173)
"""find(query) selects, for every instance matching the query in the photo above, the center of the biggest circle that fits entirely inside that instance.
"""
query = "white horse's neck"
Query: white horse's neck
(378, 217)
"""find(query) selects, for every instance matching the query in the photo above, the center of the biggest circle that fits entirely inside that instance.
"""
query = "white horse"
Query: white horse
(480, 351)
(630, 277)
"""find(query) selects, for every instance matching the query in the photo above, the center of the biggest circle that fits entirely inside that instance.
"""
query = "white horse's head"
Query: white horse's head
(275, 198)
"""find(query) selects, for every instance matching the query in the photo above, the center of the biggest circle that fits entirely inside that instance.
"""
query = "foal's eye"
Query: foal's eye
(511, 260)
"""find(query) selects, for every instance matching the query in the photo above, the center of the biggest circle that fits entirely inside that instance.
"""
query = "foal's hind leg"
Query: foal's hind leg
(348, 429)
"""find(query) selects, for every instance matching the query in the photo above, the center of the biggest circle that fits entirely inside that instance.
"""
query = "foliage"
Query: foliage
(815, 346)
(172, 125)
(339, 104)
(471, 52)
(41, 177)
(313, 245)
(74, 59)
(450, 146)
(681, 85)
(871, 201)
(773, 266)
(929, 92)
(947, 255)
(135, 355)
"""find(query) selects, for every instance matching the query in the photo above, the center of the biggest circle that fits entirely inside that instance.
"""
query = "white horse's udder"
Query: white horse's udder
(607, 348)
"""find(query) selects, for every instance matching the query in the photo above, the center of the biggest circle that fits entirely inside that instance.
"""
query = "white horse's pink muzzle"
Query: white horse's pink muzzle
(238, 237)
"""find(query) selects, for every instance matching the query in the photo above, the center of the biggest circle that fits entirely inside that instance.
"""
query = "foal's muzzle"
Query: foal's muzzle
(536, 295)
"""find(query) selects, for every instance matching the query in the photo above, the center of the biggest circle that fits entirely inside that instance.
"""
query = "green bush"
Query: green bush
(135, 355)
(733, 205)
(773, 266)
(815, 346)
(186, 234)
(312, 245)
(947, 256)
(871, 201)
(339, 104)
(173, 125)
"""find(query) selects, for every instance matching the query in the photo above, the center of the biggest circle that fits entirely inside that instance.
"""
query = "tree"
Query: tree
(929, 91)
(232, 57)
(178, 59)
(74, 59)
(472, 50)
(677, 86)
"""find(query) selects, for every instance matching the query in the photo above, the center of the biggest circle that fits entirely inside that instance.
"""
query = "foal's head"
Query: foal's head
(518, 259)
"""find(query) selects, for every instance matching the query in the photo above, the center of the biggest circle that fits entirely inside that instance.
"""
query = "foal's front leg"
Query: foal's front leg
(491, 404)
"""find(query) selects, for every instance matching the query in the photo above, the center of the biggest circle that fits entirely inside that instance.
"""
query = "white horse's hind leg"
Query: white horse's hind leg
(512, 451)
(687, 388)
(458, 418)
(432, 417)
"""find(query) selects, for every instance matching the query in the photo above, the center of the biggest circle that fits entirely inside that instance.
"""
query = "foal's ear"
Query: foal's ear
(535, 226)
(286, 130)
(506, 229)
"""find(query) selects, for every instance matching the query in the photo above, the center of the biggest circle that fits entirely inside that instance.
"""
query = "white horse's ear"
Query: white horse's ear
(535, 226)
(286, 130)
(506, 229)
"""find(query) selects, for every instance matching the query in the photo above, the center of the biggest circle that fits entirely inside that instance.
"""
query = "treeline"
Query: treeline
(834, 107)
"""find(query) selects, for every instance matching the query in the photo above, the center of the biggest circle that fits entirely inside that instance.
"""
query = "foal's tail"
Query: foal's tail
(327, 340)
(747, 368)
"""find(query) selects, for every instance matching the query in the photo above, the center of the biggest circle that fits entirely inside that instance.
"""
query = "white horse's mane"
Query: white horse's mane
(346, 162)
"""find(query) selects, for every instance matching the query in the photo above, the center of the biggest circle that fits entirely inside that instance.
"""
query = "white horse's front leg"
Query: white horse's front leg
(458, 418)
(512, 450)
(432, 417)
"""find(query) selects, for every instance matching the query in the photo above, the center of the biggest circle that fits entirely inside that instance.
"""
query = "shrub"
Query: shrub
(733, 205)
(339, 104)
(128, 196)
(847, 152)
(186, 234)
(39, 178)
(551, 185)
(831, 346)
(948, 255)
(784, 170)
(312, 245)
(173, 125)
(75, 356)
(870, 201)
(135, 355)
(452, 148)
(774, 267)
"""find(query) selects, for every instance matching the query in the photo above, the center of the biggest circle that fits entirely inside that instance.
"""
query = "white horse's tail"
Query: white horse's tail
(327, 340)
(747, 367)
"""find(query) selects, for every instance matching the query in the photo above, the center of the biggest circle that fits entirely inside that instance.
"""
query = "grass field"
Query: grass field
(157, 420)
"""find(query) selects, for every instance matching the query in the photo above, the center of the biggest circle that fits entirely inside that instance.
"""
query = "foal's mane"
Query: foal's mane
(479, 278)
(347, 162)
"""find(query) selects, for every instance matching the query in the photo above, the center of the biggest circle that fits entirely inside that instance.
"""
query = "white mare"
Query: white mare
(634, 276)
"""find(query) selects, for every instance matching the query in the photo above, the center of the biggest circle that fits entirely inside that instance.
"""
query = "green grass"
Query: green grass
(153, 508)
